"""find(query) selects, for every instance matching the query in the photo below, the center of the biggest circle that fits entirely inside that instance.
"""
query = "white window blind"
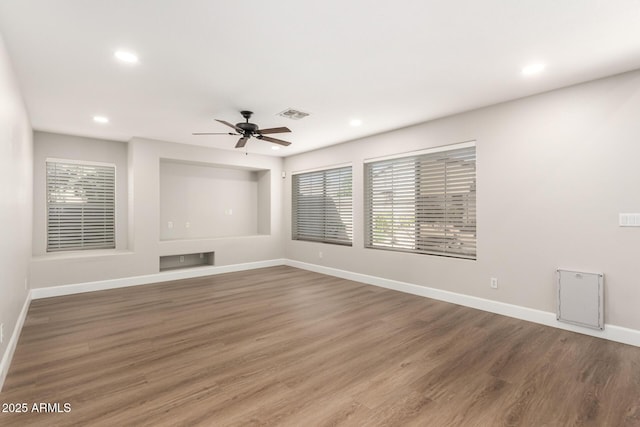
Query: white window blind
(322, 206)
(80, 206)
(423, 204)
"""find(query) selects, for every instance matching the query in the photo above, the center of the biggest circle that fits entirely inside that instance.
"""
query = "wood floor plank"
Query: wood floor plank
(288, 347)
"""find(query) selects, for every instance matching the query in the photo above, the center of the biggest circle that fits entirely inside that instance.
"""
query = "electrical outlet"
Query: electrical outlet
(320, 254)
(494, 283)
(170, 224)
(181, 258)
(187, 224)
(1, 333)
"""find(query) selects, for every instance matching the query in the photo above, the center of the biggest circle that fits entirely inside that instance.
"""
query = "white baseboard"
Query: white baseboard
(187, 273)
(13, 341)
(610, 332)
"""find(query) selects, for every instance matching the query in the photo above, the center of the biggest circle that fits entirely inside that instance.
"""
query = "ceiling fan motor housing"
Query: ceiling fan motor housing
(247, 127)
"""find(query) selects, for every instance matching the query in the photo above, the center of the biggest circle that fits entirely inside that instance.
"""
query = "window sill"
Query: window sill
(96, 253)
(213, 238)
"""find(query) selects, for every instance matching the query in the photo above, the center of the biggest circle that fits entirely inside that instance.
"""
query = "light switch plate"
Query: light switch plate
(629, 220)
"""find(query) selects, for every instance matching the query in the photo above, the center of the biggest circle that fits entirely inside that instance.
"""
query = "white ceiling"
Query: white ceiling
(388, 63)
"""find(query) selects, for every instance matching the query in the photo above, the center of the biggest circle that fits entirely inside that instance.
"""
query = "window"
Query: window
(80, 206)
(423, 203)
(322, 206)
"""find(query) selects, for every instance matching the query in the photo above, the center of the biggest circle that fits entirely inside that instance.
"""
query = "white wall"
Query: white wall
(144, 246)
(16, 157)
(206, 201)
(553, 170)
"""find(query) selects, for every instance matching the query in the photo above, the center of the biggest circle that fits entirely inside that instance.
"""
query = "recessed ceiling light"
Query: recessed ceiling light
(355, 122)
(275, 147)
(128, 57)
(532, 69)
(100, 119)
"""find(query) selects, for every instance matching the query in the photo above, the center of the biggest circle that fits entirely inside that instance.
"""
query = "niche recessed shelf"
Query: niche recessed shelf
(175, 262)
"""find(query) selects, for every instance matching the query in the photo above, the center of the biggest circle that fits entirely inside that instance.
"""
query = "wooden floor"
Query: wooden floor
(282, 346)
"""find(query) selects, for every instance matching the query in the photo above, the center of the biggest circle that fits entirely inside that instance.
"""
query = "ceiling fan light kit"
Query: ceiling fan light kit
(246, 130)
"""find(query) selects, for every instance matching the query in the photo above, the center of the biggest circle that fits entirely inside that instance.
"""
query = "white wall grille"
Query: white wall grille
(581, 298)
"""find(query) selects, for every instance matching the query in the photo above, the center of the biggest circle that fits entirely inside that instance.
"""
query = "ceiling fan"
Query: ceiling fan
(247, 130)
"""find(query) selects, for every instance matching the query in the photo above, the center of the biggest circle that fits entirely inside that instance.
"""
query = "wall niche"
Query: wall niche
(204, 201)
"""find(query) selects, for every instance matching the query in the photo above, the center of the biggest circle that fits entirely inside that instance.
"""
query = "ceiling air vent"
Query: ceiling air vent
(293, 114)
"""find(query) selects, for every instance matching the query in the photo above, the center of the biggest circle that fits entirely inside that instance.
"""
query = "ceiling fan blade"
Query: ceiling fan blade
(275, 141)
(273, 130)
(214, 133)
(242, 141)
(230, 125)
